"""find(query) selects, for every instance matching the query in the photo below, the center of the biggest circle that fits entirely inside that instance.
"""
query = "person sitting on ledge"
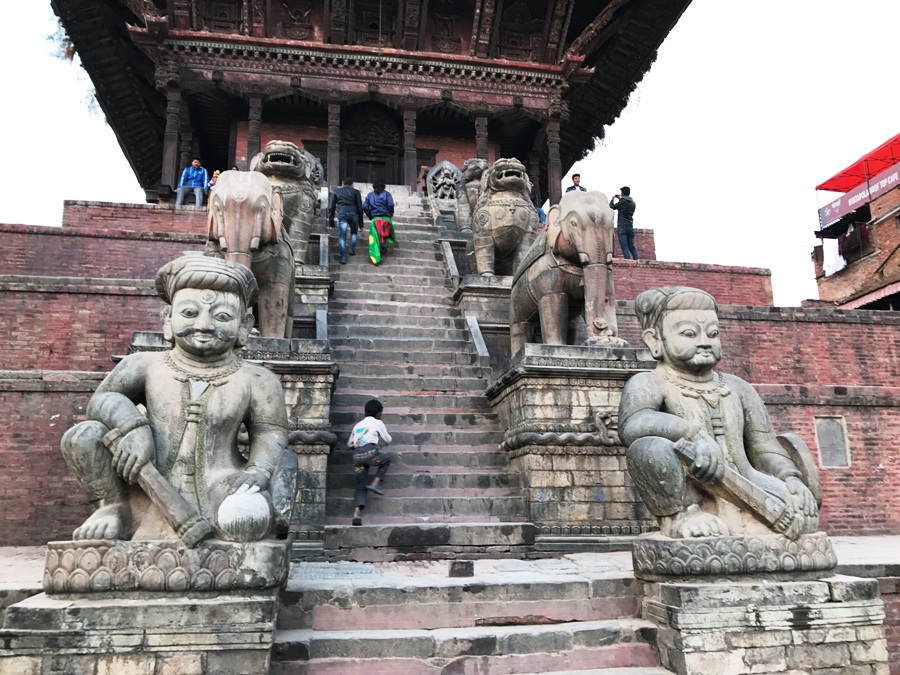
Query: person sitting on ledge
(193, 178)
(196, 396)
(686, 411)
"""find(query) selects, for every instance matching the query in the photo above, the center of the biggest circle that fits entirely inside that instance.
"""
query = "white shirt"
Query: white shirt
(368, 431)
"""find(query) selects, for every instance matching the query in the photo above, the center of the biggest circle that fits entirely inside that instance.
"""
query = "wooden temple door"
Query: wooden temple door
(372, 146)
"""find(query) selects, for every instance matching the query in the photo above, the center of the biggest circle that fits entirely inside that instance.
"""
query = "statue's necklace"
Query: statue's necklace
(709, 394)
(202, 374)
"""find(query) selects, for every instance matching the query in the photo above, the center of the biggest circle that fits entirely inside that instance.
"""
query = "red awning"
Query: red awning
(881, 158)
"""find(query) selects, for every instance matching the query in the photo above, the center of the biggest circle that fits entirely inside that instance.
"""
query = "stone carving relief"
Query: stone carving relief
(521, 36)
(246, 226)
(572, 259)
(472, 171)
(504, 221)
(372, 126)
(159, 452)
(297, 175)
(702, 451)
(295, 23)
(443, 183)
(446, 15)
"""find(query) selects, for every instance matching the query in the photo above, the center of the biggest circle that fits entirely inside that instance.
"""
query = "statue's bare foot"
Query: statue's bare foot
(692, 522)
(107, 522)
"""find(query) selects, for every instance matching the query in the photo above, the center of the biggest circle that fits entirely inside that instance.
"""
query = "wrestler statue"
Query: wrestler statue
(169, 422)
(701, 449)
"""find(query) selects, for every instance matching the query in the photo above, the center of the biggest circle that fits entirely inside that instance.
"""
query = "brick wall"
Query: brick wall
(729, 285)
(67, 323)
(102, 254)
(40, 498)
(111, 218)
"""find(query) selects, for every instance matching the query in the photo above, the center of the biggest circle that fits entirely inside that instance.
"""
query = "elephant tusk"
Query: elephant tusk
(223, 243)
(254, 243)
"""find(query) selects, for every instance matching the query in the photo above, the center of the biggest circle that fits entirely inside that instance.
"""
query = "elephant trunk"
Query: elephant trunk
(599, 302)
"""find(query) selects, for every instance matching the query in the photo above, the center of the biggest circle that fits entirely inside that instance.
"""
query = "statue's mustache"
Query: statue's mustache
(218, 333)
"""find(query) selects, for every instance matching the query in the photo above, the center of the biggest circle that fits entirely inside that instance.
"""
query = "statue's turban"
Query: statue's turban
(206, 272)
(651, 305)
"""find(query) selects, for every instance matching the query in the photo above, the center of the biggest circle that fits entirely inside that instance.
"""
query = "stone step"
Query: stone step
(394, 298)
(351, 272)
(467, 503)
(346, 418)
(433, 435)
(400, 306)
(449, 409)
(500, 650)
(344, 353)
(375, 386)
(366, 315)
(406, 333)
(400, 342)
(422, 458)
(342, 477)
(422, 596)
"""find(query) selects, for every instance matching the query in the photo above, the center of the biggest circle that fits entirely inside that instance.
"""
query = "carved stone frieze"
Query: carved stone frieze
(566, 450)
(106, 565)
(594, 530)
(661, 558)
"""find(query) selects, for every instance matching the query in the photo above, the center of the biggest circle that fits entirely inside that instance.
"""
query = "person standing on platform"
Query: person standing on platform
(346, 203)
(193, 178)
(379, 208)
(576, 184)
(624, 204)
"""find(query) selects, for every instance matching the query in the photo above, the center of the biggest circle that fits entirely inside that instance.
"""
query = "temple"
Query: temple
(373, 88)
(518, 428)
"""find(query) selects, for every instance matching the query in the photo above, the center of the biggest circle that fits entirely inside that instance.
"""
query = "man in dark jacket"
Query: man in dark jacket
(625, 205)
(346, 203)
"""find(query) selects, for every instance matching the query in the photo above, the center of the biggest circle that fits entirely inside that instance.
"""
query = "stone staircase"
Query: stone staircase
(547, 616)
(396, 336)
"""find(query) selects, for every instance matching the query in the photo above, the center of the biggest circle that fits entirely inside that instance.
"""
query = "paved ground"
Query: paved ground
(21, 567)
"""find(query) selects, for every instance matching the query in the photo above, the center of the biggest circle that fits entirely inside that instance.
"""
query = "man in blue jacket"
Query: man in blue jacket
(345, 202)
(193, 178)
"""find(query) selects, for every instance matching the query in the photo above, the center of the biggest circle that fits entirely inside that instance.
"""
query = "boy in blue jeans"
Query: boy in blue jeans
(364, 441)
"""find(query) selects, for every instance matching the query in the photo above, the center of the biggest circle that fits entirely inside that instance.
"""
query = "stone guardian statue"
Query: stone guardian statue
(701, 448)
(158, 454)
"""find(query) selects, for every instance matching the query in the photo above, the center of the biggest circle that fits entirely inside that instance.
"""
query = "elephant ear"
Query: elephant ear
(554, 229)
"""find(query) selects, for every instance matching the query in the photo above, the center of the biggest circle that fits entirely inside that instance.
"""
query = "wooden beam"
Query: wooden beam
(582, 44)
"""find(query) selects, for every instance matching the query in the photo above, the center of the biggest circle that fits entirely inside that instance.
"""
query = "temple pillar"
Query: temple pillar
(254, 126)
(170, 139)
(554, 163)
(534, 174)
(187, 147)
(410, 167)
(334, 144)
(481, 137)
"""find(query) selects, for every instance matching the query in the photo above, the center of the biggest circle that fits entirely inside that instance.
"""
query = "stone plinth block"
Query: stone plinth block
(762, 625)
(558, 406)
(661, 558)
(106, 566)
(485, 298)
(139, 633)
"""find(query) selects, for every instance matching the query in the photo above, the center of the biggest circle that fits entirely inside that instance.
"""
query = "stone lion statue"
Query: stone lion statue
(298, 175)
(504, 221)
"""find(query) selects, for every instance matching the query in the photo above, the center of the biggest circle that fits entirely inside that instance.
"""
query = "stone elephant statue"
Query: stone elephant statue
(504, 221)
(298, 175)
(572, 259)
(246, 226)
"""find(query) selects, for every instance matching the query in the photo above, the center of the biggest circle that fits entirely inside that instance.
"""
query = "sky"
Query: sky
(747, 108)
